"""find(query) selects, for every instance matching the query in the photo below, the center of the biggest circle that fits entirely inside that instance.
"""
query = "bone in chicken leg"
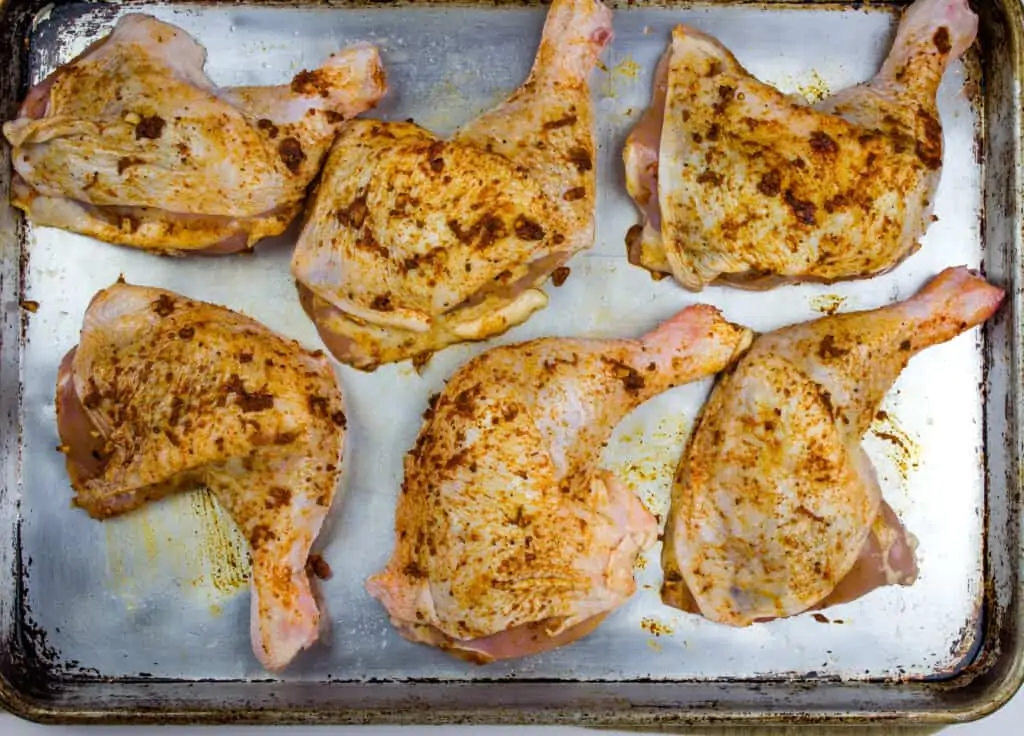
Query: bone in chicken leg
(775, 504)
(510, 539)
(740, 183)
(414, 243)
(133, 144)
(164, 393)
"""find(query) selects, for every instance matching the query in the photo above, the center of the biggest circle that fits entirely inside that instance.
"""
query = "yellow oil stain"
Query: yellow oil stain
(627, 68)
(904, 451)
(150, 541)
(648, 472)
(633, 437)
(640, 563)
(131, 542)
(672, 432)
(827, 303)
(116, 572)
(448, 107)
(216, 610)
(815, 89)
(186, 540)
(445, 99)
(655, 627)
(223, 551)
(653, 645)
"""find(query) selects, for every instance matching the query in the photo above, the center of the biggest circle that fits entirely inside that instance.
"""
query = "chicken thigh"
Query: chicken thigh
(414, 243)
(740, 183)
(132, 143)
(510, 539)
(776, 508)
(164, 393)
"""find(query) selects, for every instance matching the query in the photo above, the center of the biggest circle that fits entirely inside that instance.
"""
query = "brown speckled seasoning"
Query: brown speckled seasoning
(486, 452)
(777, 453)
(466, 229)
(163, 376)
(714, 152)
(163, 160)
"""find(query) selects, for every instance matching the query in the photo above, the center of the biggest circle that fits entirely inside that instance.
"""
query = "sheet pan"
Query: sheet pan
(145, 618)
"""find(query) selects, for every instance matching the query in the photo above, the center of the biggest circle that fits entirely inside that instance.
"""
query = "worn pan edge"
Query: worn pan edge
(990, 680)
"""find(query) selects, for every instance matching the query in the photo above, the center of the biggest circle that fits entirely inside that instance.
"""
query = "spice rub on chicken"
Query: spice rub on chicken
(742, 184)
(164, 393)
(510, 538)
(414, 243)
(776, 508)
(132, 143)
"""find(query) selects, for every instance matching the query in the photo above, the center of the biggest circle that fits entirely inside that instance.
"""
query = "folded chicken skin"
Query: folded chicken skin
(510, 539)
(164, 394)
(132, 143)
(414, 243)
(776, 508)
(741, 184)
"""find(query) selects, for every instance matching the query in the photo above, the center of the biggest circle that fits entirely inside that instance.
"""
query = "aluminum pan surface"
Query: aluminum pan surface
(150, 593)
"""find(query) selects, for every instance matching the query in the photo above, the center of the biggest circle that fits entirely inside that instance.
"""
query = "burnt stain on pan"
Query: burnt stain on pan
(26, 657)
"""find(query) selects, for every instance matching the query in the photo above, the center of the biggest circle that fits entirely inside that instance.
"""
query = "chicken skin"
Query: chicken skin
(741, 184)
(510, 540)
(776, 508)
(131, 142)
(165, 394)
(414, 243)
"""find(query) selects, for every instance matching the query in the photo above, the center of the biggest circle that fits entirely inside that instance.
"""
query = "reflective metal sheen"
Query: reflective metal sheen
(121, 619)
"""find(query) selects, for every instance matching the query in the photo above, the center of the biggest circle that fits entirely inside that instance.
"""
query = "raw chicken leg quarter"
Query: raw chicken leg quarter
(165, 394)
(742, 184)
(132, 143)
(510, 540)
(776, 508)
(414, 243)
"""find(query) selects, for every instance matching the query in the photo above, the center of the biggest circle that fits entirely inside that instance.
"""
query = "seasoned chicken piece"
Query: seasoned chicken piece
(740, 183)
(164, 393)
(510, 539)
(776, 508)
(132, 143)
(887, 558)
(414, 243)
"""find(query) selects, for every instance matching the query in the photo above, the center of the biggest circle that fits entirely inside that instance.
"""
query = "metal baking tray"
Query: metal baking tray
(144, 618)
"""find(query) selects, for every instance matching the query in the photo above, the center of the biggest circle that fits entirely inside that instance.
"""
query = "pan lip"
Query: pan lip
(988, 681)
(634, 716)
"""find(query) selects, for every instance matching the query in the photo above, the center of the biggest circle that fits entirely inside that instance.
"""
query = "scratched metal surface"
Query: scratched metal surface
(162, 592)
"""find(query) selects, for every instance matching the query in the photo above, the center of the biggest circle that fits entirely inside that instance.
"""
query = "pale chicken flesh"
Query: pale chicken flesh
(740, 183)
(510, 539)
(776, 508)
(131, 142)
(166, 393)
(413, 243)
